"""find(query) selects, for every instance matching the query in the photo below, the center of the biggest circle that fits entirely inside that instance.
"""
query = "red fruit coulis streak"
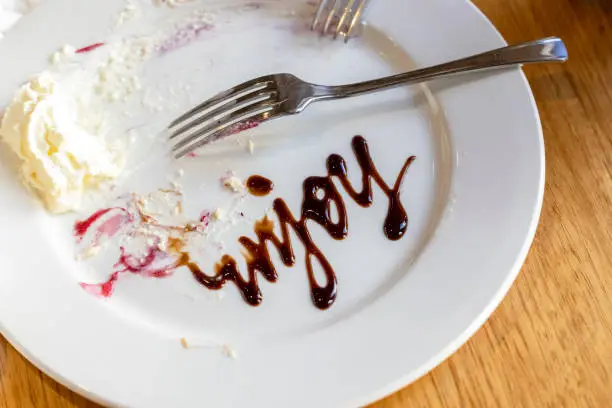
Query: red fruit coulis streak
(129, 263)
(205, 218)
(143, 266)
(241, 127)
(89, 48)
(102, 289)
(233, 130)
(81, 227)
(110, 227)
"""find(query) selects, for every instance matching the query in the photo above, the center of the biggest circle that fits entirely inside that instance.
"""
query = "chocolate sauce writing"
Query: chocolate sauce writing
(320, 197)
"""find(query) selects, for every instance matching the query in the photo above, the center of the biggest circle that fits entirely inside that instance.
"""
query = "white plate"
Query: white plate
(473, 197)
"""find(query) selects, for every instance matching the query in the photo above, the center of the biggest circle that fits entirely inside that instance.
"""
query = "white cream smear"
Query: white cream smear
(61, 161)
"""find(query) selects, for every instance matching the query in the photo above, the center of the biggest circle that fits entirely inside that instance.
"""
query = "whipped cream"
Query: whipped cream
(60, 159)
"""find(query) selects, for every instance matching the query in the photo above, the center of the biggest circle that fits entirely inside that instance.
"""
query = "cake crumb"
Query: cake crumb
(172, 3)
(128, 13)
(233, 183)
(184, 343)
(64, 53)
(228, 351)
(176, 186)
(219, 214)
(88, 253)
(178, 209)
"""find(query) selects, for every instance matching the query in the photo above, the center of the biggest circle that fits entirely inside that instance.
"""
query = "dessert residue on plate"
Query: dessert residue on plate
(65, 156)
(159, 248)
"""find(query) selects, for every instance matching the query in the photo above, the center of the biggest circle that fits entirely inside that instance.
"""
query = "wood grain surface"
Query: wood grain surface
(549, 344)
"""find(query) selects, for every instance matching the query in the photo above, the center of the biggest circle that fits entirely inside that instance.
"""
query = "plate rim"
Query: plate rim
(512, 275)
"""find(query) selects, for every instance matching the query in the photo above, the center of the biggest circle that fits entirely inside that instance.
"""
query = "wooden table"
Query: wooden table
(550, 342)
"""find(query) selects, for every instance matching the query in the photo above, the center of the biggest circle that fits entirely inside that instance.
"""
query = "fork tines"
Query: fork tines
(340, 17)
(236, 109)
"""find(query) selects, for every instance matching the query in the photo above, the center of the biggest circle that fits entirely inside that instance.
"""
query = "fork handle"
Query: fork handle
(550, 49)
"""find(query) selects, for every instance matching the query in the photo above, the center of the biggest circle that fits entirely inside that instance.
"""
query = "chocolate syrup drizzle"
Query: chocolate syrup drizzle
(259, 186)
(320, 196)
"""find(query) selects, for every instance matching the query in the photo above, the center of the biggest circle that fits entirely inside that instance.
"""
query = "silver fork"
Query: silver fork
(344, 15)
(274, 96)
